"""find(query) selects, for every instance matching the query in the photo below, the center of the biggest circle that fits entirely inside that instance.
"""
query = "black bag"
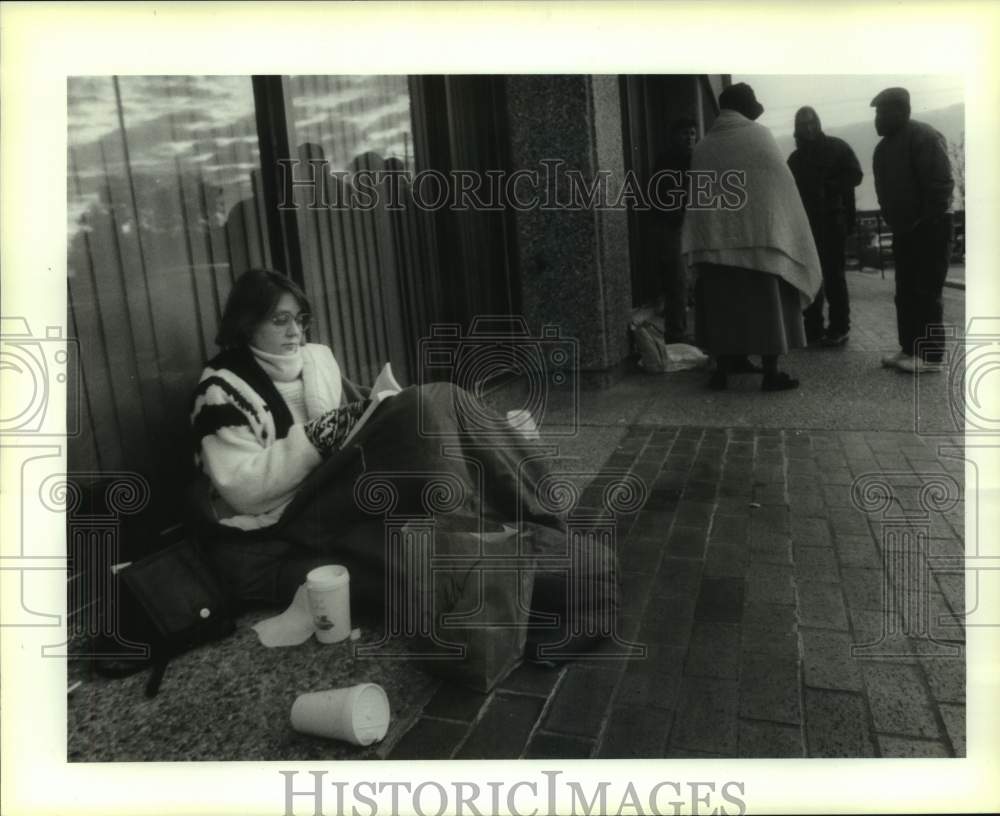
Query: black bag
(169, 602)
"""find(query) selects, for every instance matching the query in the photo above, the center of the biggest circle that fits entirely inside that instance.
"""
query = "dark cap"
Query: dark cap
(892, 98)
(741, 98)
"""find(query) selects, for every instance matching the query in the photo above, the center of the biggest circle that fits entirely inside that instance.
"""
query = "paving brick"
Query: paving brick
(775, 548)
(652, 682)
(699, 491)
(727, 560)
(768, 521)
(779, 618)
(827, 660)
(898, 702)
(693, 514)
(816, 564)
(848, 521)
(821, 605)
(580, 702)
(720, 600)
(768, 474)
(954, 723)
(677, 576)
(706, 716)
(836, 725)
(839, 476)
(901, 747)
(779, 645)
(531, 678)
(455, 702)
(770, 494)
(880, 634)
(946, 678)
(770, 583)
(429, 739)
(810, 532)
(652, 523)
(837, 496)
(769, 689)
(687, 542)
(558, 746)
(862, 588)
(736, 487)
(858, 551)
(769, 740)
(667, 621)
(503, 729)
(635, 732)
(714, 651)
(637, 584)
(729, 530)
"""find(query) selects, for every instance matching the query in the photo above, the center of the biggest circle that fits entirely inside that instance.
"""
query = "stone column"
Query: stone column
(574, 264)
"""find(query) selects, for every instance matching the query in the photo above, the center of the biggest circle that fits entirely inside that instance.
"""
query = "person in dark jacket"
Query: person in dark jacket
(826, 172)
(914, 185)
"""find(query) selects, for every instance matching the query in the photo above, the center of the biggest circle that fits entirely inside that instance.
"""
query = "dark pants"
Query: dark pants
(830, 247)
(921, 268)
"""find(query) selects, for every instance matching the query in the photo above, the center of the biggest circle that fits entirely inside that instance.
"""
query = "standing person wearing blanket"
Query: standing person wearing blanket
(755, 259)
(272, 416)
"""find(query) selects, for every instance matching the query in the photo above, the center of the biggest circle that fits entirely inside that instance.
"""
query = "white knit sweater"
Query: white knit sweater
(253, 473)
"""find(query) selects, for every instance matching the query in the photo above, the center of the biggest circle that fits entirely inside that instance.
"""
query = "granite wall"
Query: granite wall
(573, 262)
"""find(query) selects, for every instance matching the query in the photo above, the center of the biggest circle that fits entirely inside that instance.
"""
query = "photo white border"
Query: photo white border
(44, 43)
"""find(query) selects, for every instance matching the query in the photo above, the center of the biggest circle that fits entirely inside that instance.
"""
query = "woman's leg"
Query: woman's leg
(775, 380)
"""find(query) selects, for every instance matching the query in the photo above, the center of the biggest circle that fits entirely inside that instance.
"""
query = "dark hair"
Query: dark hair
(684, 123)
(253, 298)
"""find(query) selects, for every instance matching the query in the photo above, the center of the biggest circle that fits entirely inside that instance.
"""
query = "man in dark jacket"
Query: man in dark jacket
(914, 186)
(826, 172)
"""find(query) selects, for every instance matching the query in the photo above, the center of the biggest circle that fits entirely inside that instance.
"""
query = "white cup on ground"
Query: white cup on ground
(358, 714)
(328, 588)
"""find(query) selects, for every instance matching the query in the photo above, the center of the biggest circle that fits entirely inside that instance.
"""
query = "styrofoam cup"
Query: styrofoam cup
(358, 714)
(329, 592)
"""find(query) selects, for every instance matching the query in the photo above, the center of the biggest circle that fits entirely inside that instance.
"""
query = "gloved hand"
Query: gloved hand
(327, 432)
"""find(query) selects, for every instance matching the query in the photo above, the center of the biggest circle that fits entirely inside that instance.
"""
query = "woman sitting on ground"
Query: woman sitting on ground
(272, 417)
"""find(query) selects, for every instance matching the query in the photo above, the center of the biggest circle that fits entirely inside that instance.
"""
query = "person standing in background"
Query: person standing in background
(756, 261)
(826, 172)
(914, 185)
(671, 172)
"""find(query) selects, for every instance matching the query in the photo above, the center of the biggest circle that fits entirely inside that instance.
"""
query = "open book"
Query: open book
(385, 386)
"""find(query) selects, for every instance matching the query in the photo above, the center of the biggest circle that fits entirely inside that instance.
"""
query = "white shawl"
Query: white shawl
(770, 233)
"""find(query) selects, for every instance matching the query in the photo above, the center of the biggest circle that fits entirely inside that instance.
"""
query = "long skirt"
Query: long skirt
(744, 311)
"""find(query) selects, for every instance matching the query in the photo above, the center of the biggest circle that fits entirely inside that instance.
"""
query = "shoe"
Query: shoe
(717, 382)
(893, 360)
(778, 382)
(832, 340)
(743, 365)
(916, 365)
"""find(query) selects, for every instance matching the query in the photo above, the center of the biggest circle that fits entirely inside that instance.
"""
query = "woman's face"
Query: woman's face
(281, 332)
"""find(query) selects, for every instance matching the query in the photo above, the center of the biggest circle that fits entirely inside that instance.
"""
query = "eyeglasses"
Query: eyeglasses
(282, 319)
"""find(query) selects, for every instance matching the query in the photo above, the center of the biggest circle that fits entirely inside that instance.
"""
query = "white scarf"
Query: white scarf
(280, 367)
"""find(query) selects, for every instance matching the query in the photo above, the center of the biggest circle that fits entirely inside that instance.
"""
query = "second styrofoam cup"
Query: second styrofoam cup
(358, 714)
(329, 592)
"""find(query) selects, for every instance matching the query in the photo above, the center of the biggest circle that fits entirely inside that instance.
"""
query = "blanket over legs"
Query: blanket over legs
(414, 505)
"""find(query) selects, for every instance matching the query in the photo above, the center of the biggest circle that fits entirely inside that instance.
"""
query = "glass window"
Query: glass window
(363, 266)
(165, 210)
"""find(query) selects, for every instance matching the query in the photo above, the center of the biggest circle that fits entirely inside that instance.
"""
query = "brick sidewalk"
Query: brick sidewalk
(748, 574)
